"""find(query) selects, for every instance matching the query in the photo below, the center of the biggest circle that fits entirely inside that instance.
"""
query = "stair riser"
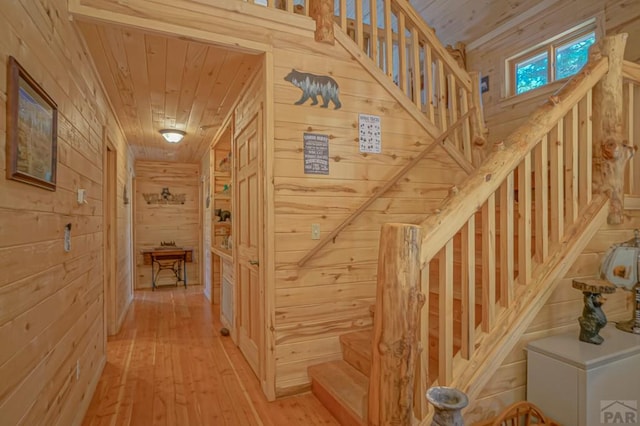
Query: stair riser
(344, 415)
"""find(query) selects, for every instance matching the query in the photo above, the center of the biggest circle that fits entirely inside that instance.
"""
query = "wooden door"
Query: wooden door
(110, 252)
(247, 213)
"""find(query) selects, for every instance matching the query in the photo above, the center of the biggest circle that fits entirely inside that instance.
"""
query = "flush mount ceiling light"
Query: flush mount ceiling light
(172, 135)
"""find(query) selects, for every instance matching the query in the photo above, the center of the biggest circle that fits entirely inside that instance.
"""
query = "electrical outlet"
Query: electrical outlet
(77, 370)
(315, 231)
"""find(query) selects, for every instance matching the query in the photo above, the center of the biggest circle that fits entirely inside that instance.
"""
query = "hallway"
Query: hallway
(170, 366)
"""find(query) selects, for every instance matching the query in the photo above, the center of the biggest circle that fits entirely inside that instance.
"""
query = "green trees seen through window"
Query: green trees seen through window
(535, 70)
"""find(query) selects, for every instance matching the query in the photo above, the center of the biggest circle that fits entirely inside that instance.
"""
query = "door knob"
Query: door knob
(254, 262)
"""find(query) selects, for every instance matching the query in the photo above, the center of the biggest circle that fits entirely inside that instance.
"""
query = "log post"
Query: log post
(396, 340)
(322, 12)
(610, 151)
(479, 149)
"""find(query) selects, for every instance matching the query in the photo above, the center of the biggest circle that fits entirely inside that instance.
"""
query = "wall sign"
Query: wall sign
(370, 133)
(316, 154)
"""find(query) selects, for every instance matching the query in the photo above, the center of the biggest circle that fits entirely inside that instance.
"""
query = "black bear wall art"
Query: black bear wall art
(313, 86)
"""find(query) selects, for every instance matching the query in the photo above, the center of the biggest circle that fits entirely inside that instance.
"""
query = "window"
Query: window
(555, 59)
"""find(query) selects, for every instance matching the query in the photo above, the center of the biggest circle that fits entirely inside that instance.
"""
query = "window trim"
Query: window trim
(549, 46)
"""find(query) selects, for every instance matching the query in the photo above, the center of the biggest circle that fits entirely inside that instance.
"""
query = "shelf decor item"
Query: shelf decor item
(593, 317)
(32, 129)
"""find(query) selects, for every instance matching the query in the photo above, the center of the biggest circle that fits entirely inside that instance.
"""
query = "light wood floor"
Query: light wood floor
(170, 366)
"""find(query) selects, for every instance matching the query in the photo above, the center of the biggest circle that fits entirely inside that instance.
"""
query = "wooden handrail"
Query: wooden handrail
(458, 207)
(441, 139)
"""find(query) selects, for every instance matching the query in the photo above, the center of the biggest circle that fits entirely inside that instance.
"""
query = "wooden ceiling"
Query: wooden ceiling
(468, 20)
(156, 82)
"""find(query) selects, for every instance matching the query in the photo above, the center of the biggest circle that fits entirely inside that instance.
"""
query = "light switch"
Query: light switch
(82, 196)
(315, 231)
(67, 237)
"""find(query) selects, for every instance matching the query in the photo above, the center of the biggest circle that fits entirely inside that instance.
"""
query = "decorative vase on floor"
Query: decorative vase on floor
(448, 403)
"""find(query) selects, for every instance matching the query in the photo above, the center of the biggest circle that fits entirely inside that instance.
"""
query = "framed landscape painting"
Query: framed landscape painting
(32, 127)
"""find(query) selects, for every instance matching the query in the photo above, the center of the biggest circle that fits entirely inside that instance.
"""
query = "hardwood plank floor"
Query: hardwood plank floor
(169, 365)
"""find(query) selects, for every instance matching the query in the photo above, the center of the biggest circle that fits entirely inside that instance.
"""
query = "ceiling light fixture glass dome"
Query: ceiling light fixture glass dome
(172, 135)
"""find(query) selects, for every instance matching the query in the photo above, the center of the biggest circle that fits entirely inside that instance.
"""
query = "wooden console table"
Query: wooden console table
(169, 258)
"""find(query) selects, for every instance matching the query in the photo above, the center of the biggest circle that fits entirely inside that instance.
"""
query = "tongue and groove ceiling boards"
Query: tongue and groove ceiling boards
(156, 82)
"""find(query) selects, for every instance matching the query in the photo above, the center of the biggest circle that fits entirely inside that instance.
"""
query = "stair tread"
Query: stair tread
(356, 349)
(344, 383)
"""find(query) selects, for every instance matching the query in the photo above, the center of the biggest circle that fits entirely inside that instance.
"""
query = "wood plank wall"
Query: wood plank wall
(51, 301)
(331, 294)
(124, 230)
(503, 116)
(167, 222)
(502, 113)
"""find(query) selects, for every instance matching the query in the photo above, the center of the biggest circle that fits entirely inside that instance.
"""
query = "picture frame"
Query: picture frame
(32, 129)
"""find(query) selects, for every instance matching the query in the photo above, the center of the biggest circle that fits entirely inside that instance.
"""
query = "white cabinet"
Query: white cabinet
(571, 381)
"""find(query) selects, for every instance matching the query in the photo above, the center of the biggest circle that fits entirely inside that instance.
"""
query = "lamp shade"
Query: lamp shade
(172, 135)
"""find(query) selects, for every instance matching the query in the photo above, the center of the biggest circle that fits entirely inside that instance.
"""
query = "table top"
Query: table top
(167, 253)
(568, 348)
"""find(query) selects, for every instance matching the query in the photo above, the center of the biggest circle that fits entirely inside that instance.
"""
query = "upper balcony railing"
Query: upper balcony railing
(400, 43)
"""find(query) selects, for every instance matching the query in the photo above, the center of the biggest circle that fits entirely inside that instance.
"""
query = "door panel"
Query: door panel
(250, 315)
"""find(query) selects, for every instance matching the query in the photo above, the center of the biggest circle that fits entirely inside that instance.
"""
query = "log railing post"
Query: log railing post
(395, 344)
(610, 151)
(322, 12)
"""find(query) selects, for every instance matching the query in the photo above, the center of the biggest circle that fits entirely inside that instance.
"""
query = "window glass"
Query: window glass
(532, 73)
(571, 57)
(555, 59)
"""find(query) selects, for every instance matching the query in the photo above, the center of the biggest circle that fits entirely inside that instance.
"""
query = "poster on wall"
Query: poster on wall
(370, 134)
(316, 154)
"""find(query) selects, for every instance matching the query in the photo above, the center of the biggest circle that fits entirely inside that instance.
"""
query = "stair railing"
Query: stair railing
(524, 238)
(552, 153)
(396, 38)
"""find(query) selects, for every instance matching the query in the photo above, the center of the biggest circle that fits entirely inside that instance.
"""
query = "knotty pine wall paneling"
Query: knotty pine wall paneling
(167, 222)
(51, 301)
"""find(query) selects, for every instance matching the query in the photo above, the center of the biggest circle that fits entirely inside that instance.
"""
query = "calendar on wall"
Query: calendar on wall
(370, 133)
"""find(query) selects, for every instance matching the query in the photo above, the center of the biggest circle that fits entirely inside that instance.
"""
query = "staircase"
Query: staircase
(497, 282)
(456, 292)
(343, 385)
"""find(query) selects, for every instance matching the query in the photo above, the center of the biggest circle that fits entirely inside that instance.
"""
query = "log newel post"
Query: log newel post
(610, 151)
(479, 130)
(396, 340)
(322, 12)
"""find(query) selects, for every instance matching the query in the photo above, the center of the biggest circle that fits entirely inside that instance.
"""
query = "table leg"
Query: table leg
(153, 274)
(184, 269)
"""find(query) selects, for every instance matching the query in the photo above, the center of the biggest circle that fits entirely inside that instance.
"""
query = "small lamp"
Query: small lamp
(172, 135)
